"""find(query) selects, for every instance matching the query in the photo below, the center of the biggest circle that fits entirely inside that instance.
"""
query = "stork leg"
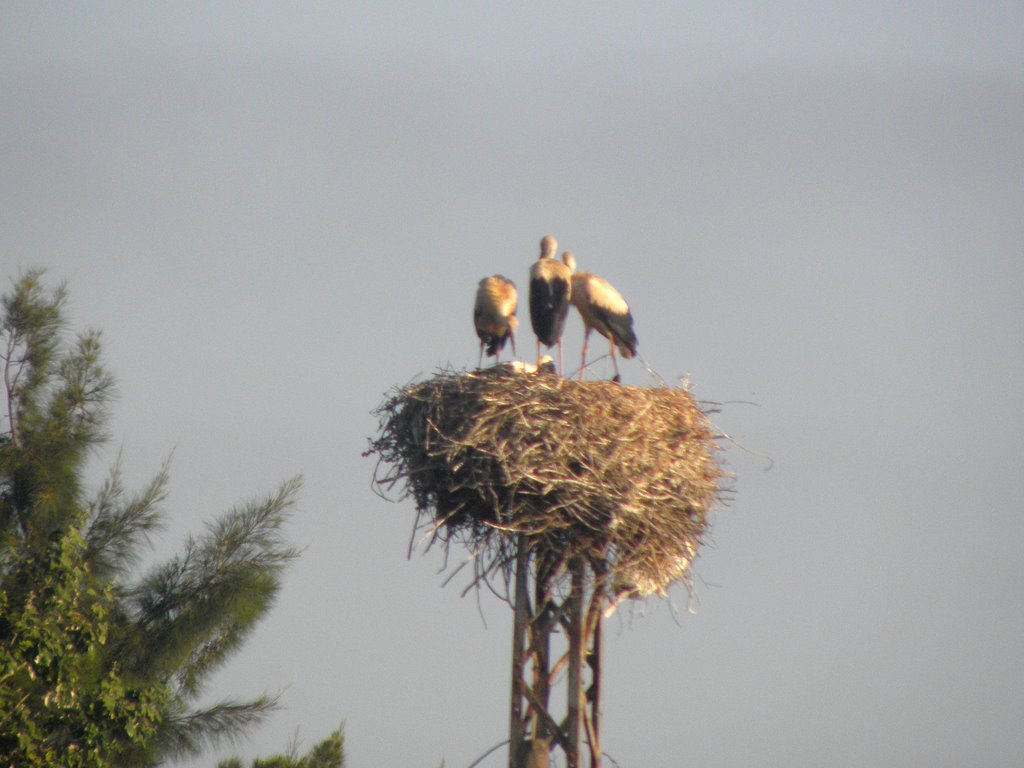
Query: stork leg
(538, 353)
(561, 368)
(583, 362)
(512, 338)
(480, 362)
(618, 377)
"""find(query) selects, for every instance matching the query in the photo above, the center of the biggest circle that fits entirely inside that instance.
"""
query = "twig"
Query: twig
(480, 759)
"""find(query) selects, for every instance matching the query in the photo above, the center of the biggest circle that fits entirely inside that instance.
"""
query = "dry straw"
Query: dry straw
(624, 477)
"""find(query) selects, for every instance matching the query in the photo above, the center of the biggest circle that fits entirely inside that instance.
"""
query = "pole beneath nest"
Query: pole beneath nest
(536, 727)
(574, 629)
(522, 609)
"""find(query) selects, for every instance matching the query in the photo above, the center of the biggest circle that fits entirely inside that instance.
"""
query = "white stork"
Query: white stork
(550, 289)
(602, 309)
(494, 315)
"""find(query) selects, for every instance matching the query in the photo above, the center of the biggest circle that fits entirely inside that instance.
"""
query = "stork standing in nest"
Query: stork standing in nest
(550, 291)
(602, 309)
(494, 315)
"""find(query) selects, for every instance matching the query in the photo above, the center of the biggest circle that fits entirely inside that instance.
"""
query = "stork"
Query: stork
(602, 309)
(550, 289)
(494, 315)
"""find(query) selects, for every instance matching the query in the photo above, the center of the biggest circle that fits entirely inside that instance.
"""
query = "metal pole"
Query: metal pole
(574, 711)
(594, 658)
(515, 739)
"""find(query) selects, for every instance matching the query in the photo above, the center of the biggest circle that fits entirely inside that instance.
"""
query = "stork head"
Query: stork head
(548, 247)
(569, 260)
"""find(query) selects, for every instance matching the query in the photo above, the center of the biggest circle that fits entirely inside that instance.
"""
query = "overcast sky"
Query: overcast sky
(277, 212)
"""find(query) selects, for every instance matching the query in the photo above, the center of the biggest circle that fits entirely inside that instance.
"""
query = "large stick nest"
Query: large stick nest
(622, 476)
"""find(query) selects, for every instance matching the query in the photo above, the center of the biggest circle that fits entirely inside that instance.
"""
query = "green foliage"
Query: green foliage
(60, 703)
(55, 407)
(329, 753)
(100, 665)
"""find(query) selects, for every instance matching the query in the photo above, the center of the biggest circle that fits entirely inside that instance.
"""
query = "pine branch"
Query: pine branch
(188, 734)
(83, 390)
(118, 528)
(192, 612)
(33, 323)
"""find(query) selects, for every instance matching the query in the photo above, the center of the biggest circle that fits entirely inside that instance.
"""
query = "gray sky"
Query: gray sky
(277, 212)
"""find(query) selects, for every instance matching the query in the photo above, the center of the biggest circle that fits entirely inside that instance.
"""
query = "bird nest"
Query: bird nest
(624, 477)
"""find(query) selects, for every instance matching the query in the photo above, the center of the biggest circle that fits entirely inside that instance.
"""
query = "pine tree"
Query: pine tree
(139, 647)
(329, 753)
